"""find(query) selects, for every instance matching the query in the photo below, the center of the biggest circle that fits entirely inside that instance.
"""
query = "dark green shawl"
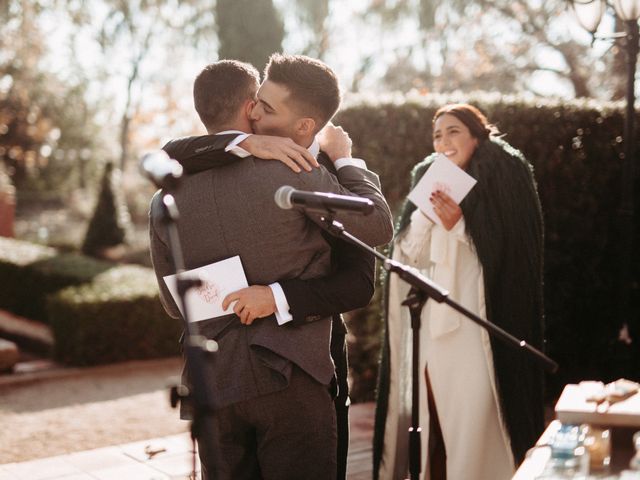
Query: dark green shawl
(504, 220)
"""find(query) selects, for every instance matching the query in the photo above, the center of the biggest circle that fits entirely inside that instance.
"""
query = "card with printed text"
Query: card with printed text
(443, 175)
(218, 280)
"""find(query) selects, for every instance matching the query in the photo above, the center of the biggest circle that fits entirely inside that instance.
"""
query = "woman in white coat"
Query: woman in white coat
(488, 254)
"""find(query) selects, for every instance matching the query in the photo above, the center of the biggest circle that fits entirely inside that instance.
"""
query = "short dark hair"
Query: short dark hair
(472, 117)
(221, 88)
(312, 85)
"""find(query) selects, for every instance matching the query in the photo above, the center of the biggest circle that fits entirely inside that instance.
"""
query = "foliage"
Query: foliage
(99, 312)
(575, 148)
(497, 45)
(110, 222)
(249, 31)
(5, 181)
(115, 317)
(45, 143)
(7, 204)
(107, 59)
(311, 22)
(363, 343)
(146, 34)
(30, 272)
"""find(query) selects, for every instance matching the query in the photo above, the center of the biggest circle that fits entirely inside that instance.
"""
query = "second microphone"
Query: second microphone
(287, 197)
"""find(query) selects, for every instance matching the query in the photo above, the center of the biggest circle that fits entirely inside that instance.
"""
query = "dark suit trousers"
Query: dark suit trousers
(342, 401)
(289, 434)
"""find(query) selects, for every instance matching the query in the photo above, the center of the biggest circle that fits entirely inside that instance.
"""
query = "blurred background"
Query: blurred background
(87, 82)
(87, 86)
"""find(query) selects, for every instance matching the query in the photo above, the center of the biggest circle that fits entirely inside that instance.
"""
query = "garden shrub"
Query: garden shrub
(29, 272)
(110, 224)
(116, 316)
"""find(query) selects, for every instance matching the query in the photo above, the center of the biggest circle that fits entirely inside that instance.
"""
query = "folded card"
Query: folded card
(443, 175)
(218, 280)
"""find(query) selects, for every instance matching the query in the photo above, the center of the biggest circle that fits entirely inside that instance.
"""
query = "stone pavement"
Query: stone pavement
(158, 459)
(46, 409)
(167, 458)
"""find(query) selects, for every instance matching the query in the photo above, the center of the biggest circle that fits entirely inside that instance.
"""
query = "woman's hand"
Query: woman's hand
(448, 210)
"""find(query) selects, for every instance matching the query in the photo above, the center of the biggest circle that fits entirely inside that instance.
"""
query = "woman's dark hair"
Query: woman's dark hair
(473, 119)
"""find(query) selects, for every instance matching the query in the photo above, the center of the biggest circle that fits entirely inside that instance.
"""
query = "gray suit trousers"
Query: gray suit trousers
(286, 435)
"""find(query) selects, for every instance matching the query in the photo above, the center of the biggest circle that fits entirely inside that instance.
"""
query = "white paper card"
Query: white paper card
(443, 175)
(218, 280)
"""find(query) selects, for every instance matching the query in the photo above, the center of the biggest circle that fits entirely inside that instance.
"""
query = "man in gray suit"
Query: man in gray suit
(274, 415)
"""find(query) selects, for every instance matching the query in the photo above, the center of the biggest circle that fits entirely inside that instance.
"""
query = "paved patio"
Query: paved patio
(46, 410)
(166, 458)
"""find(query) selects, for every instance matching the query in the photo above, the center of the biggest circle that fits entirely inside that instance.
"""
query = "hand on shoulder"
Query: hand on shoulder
(283, 149)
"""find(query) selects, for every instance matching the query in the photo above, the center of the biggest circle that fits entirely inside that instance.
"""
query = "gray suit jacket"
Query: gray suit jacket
(231, 211)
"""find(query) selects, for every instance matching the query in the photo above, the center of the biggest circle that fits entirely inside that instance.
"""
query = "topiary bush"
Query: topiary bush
(575, 148)
(115, 317)
(29, 272)
(111, 223)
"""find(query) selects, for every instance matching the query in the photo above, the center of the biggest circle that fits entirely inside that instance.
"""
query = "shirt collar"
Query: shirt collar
(225, 132)
(314, 148)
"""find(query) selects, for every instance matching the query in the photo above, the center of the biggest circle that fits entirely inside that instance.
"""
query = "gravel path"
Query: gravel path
(88, 408)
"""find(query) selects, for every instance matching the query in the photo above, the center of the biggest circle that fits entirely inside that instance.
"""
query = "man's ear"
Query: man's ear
(248, 107)
(305, 126)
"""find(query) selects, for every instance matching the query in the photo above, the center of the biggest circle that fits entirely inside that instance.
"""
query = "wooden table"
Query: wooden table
(622, 418)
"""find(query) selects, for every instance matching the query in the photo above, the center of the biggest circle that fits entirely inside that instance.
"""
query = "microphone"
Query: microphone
(163, 171)
(287, 197)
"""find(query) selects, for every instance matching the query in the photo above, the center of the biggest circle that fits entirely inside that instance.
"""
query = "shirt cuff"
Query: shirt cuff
(282, 306)
(350, 162)
(234, 149)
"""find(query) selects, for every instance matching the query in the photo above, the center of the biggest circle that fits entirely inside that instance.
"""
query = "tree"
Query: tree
(313, 15)
(141, 46)
(249, 30)
(135, 24)
(43, 142)
(496, 45)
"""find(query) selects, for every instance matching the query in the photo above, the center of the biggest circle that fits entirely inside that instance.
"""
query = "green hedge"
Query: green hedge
(575, 147)
(115, 317)
(29, 272)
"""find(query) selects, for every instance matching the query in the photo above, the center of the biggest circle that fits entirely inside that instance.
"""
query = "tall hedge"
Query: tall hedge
(575, 148)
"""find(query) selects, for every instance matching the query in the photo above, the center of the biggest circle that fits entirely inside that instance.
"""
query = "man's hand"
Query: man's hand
(252, 302)
(335, 142)
(448, 210)
(280, 148)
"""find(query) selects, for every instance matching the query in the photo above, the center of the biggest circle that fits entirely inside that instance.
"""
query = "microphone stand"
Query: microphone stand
(196, 347)
(422, 289)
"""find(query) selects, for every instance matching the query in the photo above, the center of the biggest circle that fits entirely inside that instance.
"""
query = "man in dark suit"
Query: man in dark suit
(350, 284)
(269, 380)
